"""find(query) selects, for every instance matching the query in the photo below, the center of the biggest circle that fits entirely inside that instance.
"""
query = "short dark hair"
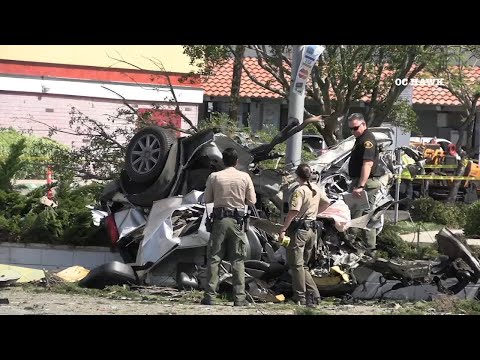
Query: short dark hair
(356, 116)
(230, 157)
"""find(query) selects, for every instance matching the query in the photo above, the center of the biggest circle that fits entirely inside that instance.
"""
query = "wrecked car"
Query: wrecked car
(156, 216)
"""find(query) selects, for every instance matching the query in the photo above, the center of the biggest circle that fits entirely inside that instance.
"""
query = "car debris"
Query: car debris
(73, 273)
(155, 216)
(23, 274)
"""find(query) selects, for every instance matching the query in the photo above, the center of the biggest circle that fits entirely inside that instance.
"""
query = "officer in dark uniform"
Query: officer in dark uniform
(230, 190)
(306, 202)
(364, 170)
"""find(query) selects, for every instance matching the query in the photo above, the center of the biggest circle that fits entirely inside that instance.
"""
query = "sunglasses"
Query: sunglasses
(355, 128)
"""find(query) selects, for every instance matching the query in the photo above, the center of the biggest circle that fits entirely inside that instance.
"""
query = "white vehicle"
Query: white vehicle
(426, 140)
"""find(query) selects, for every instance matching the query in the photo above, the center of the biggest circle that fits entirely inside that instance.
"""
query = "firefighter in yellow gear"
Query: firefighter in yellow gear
(406, 186)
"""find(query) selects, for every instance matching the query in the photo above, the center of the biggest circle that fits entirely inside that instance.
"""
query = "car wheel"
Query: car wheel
(147, 153)
(254, 246)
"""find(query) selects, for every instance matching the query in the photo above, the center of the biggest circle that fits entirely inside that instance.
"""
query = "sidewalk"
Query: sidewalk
(428, 237)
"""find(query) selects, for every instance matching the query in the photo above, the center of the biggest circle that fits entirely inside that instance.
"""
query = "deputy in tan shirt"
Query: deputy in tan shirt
(229, 190)
(306, 202)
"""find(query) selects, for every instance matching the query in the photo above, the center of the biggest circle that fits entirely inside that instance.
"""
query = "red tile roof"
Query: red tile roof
(219, 85)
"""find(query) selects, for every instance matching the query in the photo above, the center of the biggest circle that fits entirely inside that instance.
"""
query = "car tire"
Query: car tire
(147, 153)
(254, 246)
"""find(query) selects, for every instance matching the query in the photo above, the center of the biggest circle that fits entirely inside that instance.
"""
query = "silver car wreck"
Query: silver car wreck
(157, 217)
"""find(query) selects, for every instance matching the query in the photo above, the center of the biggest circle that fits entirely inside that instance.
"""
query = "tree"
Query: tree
(456, 68)
(238, 53)
(11, 165)
(208, 57)
(342, 76)
(102, 155)
(347, 74)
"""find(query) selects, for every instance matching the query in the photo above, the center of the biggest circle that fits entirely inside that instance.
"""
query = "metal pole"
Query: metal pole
(397, 187)
(295, 111)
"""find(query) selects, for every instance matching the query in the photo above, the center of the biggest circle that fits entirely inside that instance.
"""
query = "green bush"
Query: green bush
(391, 245)
(38, 153)
(429, 210)
(472, 223)
(24, 219)
(10, 229)
(221, 121)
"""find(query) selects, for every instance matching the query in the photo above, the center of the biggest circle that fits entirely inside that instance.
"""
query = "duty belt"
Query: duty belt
(307, 224)
(221, 212)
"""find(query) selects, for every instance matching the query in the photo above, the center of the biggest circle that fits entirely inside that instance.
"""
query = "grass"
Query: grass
(124, 292)
(309, 311)
(443, 305)
(110, 292)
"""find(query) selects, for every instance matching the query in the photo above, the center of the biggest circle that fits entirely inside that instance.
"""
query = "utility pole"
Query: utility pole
(407, 94)
(295, 110)
(397, 181)
(304, 58)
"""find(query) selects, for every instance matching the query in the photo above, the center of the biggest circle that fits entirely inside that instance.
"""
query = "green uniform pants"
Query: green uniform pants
(372, 186)
(227, 238)
(298, 252)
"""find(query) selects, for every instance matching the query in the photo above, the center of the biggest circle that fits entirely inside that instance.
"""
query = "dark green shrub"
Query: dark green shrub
(390, 242)
(10, 165)
(422, 209)
(429, 210)
(391, 245)
(472, 223)
(10, 229)
(37, 153)
(24, 219)
(44, 227)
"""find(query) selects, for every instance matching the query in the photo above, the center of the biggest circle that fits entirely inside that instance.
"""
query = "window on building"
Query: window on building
(163, 117)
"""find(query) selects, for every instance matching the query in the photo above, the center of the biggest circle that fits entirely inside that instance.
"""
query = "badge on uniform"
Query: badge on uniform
(368, 144)
(294, 200)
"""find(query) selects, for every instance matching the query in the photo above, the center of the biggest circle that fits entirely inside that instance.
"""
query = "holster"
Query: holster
(209, 223)
(302, 224)
(243, 218)
(221, 212)
(246, 222)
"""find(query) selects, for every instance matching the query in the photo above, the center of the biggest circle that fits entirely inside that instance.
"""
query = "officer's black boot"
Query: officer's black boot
(300, 302)
(312, 301)
(207, 301)
(241, 303)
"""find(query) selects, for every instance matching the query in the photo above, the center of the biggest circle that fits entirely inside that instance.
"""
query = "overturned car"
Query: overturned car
(156, 215)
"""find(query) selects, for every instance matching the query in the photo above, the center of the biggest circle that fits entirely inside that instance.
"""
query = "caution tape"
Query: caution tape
(440, 177)
(440, 166)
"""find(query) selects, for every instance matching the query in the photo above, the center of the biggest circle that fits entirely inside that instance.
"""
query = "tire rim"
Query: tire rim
(145, 154)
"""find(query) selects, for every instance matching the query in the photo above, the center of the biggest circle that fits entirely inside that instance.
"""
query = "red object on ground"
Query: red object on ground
(49, 182)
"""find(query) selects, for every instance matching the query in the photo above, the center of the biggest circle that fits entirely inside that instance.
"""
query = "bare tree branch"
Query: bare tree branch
(159, 64)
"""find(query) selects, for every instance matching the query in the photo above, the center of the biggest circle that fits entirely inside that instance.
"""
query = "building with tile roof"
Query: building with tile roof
(437, 109)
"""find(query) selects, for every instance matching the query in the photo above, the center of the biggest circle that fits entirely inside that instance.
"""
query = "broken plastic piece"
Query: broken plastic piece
(73, 273)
